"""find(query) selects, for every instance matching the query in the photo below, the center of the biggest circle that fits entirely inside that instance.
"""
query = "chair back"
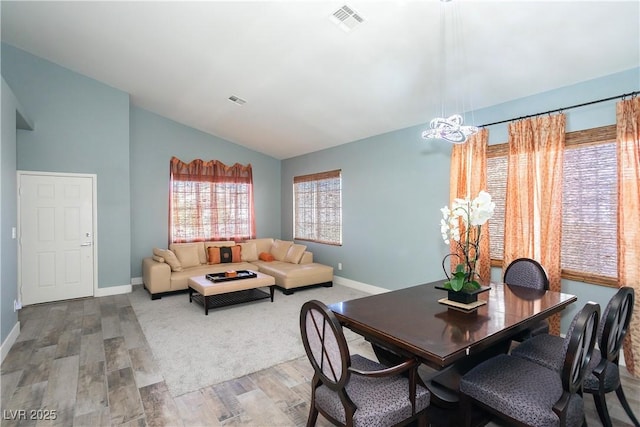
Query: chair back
(581, 340)
(615, 323)
(325, 344)
(526, 272)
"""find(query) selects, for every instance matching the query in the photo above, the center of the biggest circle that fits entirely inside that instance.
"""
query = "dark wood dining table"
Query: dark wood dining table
(410, 322)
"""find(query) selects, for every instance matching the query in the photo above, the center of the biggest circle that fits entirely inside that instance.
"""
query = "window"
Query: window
(589, 205)
(317, 207)
(210, 201)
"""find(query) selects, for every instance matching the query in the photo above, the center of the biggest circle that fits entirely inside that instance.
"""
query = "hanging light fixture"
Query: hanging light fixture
(450, 128)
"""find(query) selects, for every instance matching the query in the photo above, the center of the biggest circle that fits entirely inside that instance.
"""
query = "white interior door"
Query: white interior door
(57, 254)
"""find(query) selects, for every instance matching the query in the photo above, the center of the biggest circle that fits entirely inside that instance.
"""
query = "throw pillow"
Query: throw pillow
(225, 254)
(170, 258)
(249, 251)
(279, 249)
(158, 258)
(294, 254)
(213, 255)
(266, 256)
(188, 255)
(236, 253)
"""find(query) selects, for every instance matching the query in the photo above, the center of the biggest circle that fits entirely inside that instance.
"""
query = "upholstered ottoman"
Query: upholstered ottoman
(217, 294)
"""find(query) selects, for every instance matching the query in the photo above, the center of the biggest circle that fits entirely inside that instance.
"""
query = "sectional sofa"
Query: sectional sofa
(292, 266)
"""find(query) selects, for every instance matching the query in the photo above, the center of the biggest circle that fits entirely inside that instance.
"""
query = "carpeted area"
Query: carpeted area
(194, 350)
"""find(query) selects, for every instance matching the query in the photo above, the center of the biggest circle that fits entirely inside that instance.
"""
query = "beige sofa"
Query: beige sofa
(292, 266)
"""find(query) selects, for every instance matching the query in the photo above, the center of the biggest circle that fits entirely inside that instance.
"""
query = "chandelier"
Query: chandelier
(450, 128)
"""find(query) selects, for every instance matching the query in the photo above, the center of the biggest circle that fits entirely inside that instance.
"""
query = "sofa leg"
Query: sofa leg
(327, 284)
(155, 296)
(287, 291)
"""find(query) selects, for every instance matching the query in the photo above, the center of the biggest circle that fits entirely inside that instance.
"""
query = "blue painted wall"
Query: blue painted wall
(154, 140)
(81, 126)
(395, 183)
(392, 188)
(8, 213)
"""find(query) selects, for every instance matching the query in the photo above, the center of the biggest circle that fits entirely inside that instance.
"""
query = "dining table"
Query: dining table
(414, 322)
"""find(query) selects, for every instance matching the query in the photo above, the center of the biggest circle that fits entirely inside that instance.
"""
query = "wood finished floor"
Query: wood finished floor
(88, 362)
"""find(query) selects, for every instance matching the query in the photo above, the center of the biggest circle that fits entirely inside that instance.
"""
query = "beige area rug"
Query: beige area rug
(195, 351)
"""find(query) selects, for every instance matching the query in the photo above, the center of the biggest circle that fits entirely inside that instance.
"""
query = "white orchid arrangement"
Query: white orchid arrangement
(469, 216)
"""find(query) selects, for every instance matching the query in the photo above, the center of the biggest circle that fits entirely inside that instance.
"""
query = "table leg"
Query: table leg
(445, 384)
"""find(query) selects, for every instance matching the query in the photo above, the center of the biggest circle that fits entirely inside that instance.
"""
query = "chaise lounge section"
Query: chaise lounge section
(290, 264)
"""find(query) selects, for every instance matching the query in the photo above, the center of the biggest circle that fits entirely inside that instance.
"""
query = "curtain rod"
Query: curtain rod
(562, 109)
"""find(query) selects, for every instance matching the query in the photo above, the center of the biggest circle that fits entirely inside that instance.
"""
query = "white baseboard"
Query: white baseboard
(113, 290)
(370, 289)
(8, 343)
(136, 280)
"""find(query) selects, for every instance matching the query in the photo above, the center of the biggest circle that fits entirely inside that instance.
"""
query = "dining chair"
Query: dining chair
(529, 273)
(525, 393)
(603, 372)
(351, 390)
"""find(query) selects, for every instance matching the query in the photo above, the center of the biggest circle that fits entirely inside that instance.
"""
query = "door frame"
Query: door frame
(94, 221)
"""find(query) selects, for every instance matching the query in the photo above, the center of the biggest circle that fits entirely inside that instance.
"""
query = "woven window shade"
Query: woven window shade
(589, 205)
(318, 207)
(589, 209)
(497, 187)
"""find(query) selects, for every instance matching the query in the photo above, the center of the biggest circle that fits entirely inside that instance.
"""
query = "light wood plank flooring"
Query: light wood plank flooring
(88, 362)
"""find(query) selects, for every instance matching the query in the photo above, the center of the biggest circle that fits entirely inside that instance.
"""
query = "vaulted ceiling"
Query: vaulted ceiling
(310, 85)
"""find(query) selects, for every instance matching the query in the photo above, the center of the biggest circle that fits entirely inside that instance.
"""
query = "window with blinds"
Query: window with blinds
(589, 205)
(317, 207)
(497, 187)
(210, 211)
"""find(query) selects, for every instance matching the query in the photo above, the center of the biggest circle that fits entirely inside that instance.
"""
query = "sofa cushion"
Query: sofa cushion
(202, 254)
(279, 249)
(249, 251)
(294, 254)
(290, 276)
(262, 245)
(188, 255)
(169, 257)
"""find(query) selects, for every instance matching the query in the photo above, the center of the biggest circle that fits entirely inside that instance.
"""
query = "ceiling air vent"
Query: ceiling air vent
(237, 100)
(346, 18)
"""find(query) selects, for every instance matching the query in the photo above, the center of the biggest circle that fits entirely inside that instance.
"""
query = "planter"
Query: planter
(464, 297)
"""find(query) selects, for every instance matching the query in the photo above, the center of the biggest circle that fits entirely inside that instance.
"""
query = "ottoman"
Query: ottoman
(217, 294)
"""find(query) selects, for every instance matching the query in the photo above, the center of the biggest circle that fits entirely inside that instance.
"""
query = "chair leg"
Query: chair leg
(313, 416)
(601, 406)
(623, 400)
(465, 410)
(423, 419)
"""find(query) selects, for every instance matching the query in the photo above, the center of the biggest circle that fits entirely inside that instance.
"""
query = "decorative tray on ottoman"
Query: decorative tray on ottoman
(224, 277)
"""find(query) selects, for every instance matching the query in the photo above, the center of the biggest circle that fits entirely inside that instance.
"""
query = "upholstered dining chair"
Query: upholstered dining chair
(525, 393)
(603, 372)
(529, 273)
(351, 390)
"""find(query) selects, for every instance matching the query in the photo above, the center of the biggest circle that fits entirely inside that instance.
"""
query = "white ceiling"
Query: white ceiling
(308, 84)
